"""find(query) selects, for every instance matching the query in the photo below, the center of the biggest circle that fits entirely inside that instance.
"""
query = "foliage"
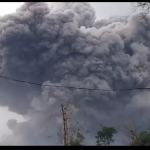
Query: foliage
(143, 139)
(78, 141)
(105, 136)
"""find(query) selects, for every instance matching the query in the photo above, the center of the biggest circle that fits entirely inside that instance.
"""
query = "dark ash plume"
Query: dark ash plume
(62, 44)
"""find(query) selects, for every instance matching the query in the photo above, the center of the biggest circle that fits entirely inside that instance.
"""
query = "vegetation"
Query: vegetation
(143, 139)
(143, 6)
(104, 137)
(77, 141)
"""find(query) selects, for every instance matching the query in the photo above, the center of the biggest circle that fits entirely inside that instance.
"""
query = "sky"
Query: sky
(103, 11)
(107, 9)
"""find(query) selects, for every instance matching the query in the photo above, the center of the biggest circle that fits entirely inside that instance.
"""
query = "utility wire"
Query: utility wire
(71, 87)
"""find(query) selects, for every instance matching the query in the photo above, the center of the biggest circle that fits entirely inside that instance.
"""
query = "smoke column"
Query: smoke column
(63, 44)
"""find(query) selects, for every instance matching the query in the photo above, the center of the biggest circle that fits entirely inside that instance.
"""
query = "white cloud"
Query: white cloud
(7, 8)
(6, 115)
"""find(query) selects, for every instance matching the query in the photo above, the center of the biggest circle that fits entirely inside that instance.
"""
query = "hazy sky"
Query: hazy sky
(103, 10)
(108, 9)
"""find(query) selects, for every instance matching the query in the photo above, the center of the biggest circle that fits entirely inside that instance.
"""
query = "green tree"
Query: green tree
(77, 141)
(105, 136)
(143, 139)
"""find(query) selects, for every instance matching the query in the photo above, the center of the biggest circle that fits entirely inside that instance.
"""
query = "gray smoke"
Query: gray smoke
(62, 44)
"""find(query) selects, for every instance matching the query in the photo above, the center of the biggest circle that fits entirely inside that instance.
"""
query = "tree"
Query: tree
(130, 132)
(144, 6)
(143, 139)
(78, 141)
(104, 137)
(136, 138)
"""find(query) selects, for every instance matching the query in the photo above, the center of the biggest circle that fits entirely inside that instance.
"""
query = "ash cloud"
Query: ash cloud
(63, 44)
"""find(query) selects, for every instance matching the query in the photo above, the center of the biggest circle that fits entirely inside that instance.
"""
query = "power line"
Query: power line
(71, 87)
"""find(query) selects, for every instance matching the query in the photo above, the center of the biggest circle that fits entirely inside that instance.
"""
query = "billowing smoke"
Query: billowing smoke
(63, 44)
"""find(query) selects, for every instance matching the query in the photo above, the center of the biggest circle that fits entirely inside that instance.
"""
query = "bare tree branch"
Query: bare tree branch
(143, 6)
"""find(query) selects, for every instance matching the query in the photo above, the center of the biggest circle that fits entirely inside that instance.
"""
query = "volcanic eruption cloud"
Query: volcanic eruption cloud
(63, 44)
